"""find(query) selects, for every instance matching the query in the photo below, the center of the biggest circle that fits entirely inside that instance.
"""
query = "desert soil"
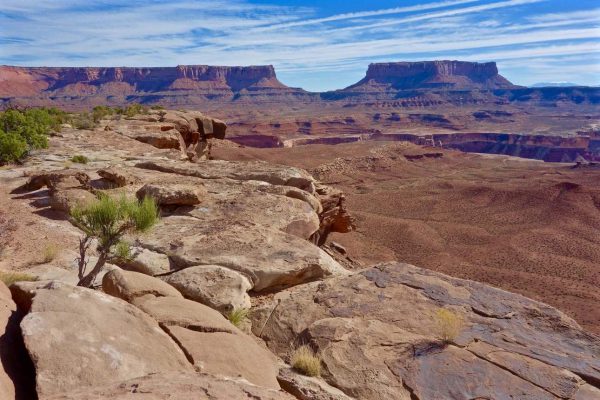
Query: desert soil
(524, 226)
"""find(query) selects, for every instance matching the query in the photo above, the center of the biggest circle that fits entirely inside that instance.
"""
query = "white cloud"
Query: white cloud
(295, 39)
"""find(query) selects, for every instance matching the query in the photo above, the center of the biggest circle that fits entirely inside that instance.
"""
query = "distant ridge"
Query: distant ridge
(400, 84)
(555, 84)
(444, 74)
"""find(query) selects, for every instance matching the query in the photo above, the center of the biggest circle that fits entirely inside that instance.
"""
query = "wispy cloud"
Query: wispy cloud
(302, 42)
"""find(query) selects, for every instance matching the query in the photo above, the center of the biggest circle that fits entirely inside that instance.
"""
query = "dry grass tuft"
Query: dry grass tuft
(238, 316)
(10, 277)
(306, 361)
(49, 253)
(449, 324)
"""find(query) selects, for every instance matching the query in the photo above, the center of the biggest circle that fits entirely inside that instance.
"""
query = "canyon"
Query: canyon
(471, 104)
(313, 240)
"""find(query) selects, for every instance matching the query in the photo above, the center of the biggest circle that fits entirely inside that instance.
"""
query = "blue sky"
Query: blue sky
(317, 45)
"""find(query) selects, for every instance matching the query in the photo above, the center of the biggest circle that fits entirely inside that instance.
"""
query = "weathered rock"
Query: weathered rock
(175, 311)
(7, 308)
(176, 386)
(118, 177)
(251, 202)
(220, 288)
(128, 285)
(226, 354)
(308, 388)
(97, 338)
(56, 180)
(147, 262)
(243, 171)
(269, 258)
(174, 194)
(334, 217)
(65, 200)
(210, 342)
(377, 333)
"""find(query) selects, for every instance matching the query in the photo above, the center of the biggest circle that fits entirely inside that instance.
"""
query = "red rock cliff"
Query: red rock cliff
(32, 81)
(434, 74)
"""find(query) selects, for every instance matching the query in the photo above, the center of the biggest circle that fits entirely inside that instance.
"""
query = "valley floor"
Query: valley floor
(524, 226)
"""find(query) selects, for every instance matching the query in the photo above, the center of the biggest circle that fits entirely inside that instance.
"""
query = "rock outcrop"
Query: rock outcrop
(378, 335)
(249, 238)
(198, 330)
(179, 386)
(97, 338)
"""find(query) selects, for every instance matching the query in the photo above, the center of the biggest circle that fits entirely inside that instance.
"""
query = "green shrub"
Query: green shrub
(238, 316)
(82, 121)
(306, 361)
(13, 147)
(135, 109)
(100, 112)
(80, 159)
(10, 277)
(123, 250)
(108, 220)
(25, 130)
(157, 107)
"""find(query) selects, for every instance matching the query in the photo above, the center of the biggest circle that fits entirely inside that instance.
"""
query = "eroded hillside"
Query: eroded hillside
(249, 234)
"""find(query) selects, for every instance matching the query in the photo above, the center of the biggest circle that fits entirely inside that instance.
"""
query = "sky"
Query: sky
(318, 45)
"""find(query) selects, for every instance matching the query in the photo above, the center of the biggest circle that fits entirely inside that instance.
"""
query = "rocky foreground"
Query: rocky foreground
(237, 235)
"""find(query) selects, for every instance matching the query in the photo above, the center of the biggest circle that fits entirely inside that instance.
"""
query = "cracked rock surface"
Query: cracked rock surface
(377, 333)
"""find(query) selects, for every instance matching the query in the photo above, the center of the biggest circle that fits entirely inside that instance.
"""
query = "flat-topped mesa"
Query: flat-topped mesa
(435, 74)
(19, 81)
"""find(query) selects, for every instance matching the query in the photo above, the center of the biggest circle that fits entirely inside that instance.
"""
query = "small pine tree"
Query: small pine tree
(108, 220)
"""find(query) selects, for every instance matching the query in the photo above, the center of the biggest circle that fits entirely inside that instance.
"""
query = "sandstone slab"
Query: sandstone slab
(173, 194)
(180, 386)
(220, 288)
(226, 354)
(128, 285)
(269, 258)
(174, 311)
(147, 262)
(97, 338)
(377, 333)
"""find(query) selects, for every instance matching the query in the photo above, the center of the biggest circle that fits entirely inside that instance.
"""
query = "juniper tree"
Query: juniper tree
(108, 220)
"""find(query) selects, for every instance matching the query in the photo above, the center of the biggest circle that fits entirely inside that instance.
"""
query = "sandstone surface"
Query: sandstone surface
(378, 337)
(220, 288)
(129, 285)
(180, 386)
(95, 337)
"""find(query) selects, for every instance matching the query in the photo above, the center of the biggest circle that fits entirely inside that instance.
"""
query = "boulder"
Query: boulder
(65, 200)
(56, 180)
(172, 194)
(226, 354)
(220, 288)
(237, 170)
(147, 262)
(269, 258)
(118, 177)
(213, 344)
(378, 333)
(308, 388)
(128, 285)
(7, 308)
(176, 386)
(175, 311)
(97, 338)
